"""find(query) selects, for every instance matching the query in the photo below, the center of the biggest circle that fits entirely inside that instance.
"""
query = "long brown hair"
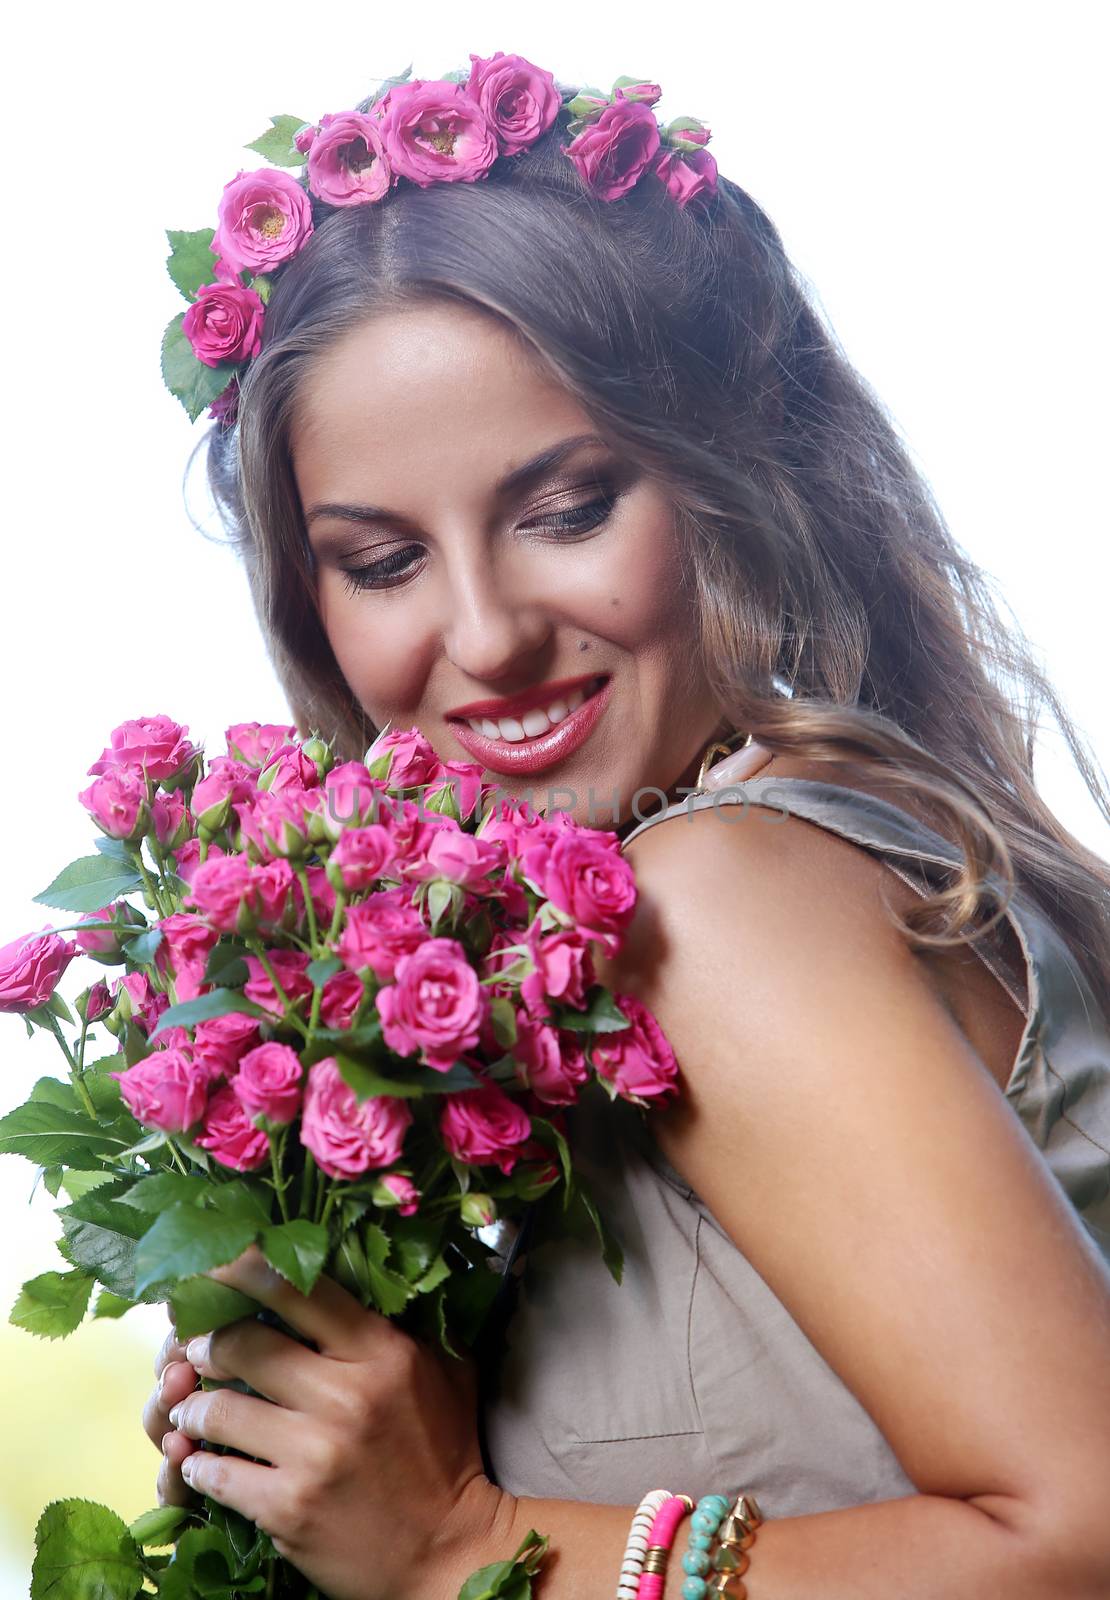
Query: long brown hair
(840, 620)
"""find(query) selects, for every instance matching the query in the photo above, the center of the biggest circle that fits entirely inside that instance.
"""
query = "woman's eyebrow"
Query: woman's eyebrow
(517, 479)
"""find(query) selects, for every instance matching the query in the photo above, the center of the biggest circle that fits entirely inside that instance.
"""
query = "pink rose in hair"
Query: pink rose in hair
(256, 743)
(348, 1136)
(225, 407)
(592, 883)
(221, 1042)
(484, 1125)
(435, 1004)
(648, 93)
(412, 761)
(435, 132)
(268, 1083)
(166, 1090)
(520, 100)
(688, 175)
(379, 931)
(224, 323)
(637, 1062)
(289, 970)
(613, 153)
(564, 970)
(264, 218)
(117, 803)
(156, 744)
(362, 856)
(230, 1135)
(551, 1061)
(303, 138)
(30, 969)
(340, 999)
(347, 163)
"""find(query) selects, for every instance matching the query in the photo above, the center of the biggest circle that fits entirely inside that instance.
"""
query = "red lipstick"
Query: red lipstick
(522, 757)
(508, 706)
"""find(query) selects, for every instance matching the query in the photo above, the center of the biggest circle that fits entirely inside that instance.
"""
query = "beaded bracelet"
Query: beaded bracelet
(662, 1536)
(635, 1551)
(735, 1532)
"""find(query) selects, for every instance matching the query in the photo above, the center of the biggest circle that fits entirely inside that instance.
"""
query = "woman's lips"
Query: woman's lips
(524, 756)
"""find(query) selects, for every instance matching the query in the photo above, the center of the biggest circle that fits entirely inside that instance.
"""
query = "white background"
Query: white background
(937, 172)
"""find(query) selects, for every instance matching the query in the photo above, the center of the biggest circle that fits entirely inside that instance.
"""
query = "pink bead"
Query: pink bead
(663, 1531)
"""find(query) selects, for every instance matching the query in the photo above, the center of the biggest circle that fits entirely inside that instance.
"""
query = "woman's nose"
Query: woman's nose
(491, 633)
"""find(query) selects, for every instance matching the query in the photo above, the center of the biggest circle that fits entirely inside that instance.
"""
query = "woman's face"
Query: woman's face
(524, 615)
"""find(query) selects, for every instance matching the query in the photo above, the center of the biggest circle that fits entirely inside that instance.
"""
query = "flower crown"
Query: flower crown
(422, 131)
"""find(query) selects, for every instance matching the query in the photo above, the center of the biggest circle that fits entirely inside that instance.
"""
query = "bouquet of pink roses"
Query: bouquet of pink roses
(356, 1000)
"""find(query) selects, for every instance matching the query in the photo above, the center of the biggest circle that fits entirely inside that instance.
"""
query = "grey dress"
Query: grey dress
(692, 1374)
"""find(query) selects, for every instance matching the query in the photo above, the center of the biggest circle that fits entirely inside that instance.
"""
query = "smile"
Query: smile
(536, 738)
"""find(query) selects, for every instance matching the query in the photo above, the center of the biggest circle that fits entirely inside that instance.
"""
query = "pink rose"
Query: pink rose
(435, 1004)
(221, 1042)
(290, 772)
(224, 323)
(395, 1189)
(225, 784)
(687, 175)
(340, 999)
(463, 779)
(484, 1125)
(144, 1003)
(347, 163)
(186, 858)
(351, 796)
(273, 825)
(379, 931)
(412, 761)
(264, 218)
(225, 407)
(649, 93)
(230, 1135)
(459, 857)
(564, 970)
(165, 1090)
(256, 743)
(348, 1136)
(303, 138)
(551, 1061)
(98, 1002)
(186, 941)
(520, 101)
(170, 819)
(268, 1082)
(592, 883)
(103, 942)
(612, 153)
(289, 970)
(637, 1061)
(435, 132)
(117, 804)
(362, 856)
(156, 744)
(30, 969)
(235, 896)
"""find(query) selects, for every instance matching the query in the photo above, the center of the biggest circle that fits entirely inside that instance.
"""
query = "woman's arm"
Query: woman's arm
(840, 1128)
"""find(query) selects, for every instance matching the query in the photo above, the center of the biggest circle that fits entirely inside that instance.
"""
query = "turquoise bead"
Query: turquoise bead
(713, 1502)
(696, 1563)
(695, 1589)
(701, 1541)
(705, 1521)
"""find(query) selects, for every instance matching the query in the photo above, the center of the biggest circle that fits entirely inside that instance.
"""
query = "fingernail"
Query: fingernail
(165, 1436)
(187, 1468)
(197, 1349)
(175, 1414)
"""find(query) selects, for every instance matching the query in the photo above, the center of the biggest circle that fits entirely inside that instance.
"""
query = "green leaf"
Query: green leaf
(190, 261)
(276, 144)
(51, 1133)
(112, 1305)
(504, 1021)
(104, 1252)
(144, 946)
(217, 1003)
(298, 1251)
(611, 1252)
(84, 1552)
(320, 971)
(366, 1082)
(248, 1201)
(547, 1133)
(107, 1211)
(416, 1243)
(508, 1580)
(602, 1014)
(194, 384)
(76, 1183)
(157, 1528)
(227, 965)
(114, 848)
(53, 1304)
(187, 1240)
(89, 883)
(201, 1304)
(164, 1189)
(351, 1268)
(389, 1291)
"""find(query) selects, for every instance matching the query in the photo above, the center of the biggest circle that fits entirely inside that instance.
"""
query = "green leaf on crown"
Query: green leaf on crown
(53, 1304)
(85, 1550)
(276, 144)
(297, 1250)
(89, 883)
(190, 261)
(189, 380)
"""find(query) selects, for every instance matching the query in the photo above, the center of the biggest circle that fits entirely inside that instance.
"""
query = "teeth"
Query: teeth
(534, 722)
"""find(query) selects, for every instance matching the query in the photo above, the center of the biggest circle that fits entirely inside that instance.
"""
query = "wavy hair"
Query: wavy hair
(839, 618)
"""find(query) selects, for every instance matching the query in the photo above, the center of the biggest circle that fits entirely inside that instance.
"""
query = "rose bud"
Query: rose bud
(477, 1210)
(94, 1003)
(397, 1190)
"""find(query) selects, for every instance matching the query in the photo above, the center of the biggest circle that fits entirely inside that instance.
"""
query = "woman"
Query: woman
(579, 485)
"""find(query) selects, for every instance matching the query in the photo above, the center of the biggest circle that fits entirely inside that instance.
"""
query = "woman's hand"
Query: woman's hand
(369, 1475)
(176, 1378)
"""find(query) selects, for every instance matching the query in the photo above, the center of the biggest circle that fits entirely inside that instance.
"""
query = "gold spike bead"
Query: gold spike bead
(737, 1533)
(747, 1508)
(730, 1584)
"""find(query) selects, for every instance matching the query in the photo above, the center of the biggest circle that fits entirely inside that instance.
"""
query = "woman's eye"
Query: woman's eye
(396, 566)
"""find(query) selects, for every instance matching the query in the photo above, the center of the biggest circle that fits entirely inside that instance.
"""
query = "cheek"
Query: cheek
(382, 650)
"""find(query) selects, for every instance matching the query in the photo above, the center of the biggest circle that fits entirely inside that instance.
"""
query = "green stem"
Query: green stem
(306, 1183)
(275, 1168)
(149, 885)
(74, 1069)
(310, 909)
(337, 918)
(328, 1203)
